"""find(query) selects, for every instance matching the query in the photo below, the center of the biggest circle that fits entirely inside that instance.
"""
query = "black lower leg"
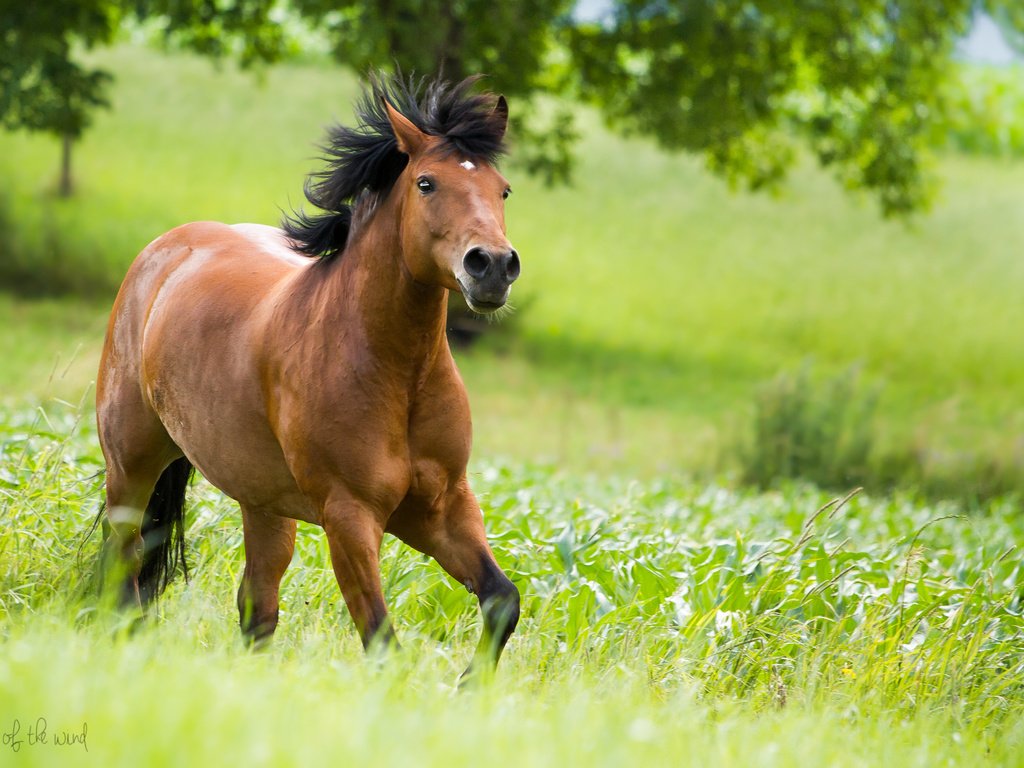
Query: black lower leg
(499, 602)
(256, 622)
(378, 632)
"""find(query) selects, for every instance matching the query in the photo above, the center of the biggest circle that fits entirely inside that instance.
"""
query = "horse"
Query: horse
(305, 372)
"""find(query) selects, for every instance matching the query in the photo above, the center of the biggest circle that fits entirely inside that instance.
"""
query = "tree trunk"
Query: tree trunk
(65, 165)
(450, 54)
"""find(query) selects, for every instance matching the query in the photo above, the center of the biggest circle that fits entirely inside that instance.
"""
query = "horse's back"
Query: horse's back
(270, 241)
(215, 257)
(195, 274)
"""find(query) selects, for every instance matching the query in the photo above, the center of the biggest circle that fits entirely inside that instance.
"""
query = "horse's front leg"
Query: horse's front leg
(454, 535)
(354, 534)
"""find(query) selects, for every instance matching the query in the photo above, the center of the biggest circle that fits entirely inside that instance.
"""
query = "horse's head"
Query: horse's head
(453, 215)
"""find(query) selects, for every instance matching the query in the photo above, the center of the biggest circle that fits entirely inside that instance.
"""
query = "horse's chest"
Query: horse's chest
(382, 446)
(439, 440)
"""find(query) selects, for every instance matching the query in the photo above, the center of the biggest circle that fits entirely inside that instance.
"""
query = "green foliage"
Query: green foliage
(822, 432)
(985, 111)
(250, 31)
(662, 621)
(860, 83)
(826, 431)
(544, 141)
(42, 88)
(510, 43)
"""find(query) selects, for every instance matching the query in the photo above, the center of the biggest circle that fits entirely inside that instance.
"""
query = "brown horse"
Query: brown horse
(306, 372)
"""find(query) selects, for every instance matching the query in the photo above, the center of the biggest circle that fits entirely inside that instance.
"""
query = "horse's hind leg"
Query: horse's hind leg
(137, 450)
(269, 543)
(130, 483)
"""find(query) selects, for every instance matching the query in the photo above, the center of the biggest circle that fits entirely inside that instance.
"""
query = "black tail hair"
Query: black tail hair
(163, 531)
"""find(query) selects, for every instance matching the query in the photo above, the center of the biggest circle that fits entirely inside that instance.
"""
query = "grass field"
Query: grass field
(664, 623)
(667, 620)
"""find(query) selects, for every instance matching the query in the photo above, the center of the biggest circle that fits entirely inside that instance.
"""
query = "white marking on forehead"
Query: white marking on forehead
(467, 165)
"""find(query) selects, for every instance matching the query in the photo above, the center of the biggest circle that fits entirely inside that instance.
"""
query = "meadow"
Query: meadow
(671, 615)
(664, 622)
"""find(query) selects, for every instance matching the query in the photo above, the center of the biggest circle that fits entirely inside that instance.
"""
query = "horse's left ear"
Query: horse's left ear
(410, 138)
(500, 114)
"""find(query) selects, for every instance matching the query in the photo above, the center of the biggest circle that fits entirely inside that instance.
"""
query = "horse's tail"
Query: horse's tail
(163, 531)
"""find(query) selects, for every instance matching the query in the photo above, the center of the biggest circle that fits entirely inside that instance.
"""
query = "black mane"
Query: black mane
(363, 163)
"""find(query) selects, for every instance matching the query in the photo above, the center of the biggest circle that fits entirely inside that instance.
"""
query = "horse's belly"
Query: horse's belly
(259, 485)
(233, 447)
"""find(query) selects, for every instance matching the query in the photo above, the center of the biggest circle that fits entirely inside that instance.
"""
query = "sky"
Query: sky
(985, 44)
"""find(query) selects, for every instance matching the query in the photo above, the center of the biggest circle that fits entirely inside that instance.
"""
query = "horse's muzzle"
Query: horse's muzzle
(488, 277)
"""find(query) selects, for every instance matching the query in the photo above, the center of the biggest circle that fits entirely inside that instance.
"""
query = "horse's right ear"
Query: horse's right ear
(410, 138)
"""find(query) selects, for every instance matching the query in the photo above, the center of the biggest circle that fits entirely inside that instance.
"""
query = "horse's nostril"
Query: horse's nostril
(512, 265)
(477, 263)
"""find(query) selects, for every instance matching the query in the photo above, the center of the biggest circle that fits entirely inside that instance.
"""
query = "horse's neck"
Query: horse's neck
(401, 321)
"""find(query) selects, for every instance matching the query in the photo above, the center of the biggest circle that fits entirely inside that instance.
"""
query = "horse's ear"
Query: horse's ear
(500, 114)
(410, 138)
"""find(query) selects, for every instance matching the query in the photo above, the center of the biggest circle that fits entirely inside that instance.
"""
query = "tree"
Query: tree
(859, 83)
(512, 43)
(245, 30)
(41, 87)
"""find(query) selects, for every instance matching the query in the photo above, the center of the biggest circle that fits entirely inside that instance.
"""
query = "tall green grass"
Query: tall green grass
(663, 622)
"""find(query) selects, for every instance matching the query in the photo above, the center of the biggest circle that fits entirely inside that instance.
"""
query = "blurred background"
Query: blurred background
(761, 241)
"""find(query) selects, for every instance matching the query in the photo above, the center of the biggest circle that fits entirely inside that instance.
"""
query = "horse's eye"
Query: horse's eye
(425, 185)
(506, 193)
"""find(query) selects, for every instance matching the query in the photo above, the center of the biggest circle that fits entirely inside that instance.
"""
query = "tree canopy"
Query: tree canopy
(42, 87)
(860, 84)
